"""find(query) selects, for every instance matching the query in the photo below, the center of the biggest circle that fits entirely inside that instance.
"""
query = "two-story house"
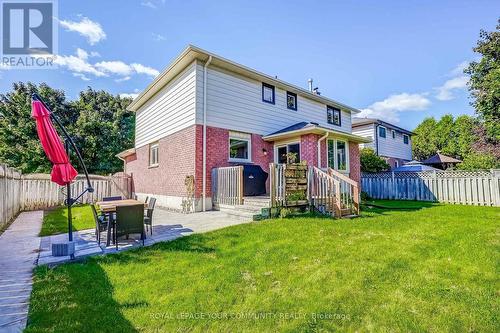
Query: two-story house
(389, 141)
(205, 111)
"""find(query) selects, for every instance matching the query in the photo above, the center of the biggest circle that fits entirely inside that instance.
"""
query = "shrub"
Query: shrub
(370, 162)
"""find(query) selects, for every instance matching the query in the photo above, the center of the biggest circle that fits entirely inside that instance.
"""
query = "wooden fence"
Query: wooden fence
(456, 187)
(227, 185)
(20, 192)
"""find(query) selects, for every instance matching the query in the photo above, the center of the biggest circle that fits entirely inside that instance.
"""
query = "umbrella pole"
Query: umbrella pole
(69, 203)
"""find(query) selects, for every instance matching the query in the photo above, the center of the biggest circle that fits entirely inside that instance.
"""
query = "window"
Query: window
(406, 139)
(239, 147)
(381, 132)
(337, 155)
(393, 134)
(333, 115)
(341, 156)
(291, 101)
(282, 151)
(153, 154)
(267, 93)
(396, 163)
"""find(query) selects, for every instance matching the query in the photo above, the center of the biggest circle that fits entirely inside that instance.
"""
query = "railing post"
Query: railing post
(240, 185)
(338, 200)
(272, 190)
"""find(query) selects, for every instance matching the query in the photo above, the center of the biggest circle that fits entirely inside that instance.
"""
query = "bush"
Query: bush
(370, 162)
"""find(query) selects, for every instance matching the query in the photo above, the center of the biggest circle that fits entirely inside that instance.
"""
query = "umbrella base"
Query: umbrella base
(63, 249)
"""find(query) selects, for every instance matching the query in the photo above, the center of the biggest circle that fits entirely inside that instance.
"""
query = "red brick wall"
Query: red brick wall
(176, 161)
(218, 154)
(309, 149)
(354, 162)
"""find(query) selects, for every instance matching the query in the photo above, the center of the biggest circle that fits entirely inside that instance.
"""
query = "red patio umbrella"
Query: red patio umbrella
(62, 170)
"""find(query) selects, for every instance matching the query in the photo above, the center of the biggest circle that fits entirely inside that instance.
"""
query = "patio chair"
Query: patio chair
(146, 201)
(112, 198)
(101, 223)
(129, 220)
(148, 217)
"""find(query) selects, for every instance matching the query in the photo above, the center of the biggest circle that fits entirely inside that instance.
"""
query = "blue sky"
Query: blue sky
(396, 60)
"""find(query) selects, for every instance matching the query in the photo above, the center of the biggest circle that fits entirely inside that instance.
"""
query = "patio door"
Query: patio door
(282, 151)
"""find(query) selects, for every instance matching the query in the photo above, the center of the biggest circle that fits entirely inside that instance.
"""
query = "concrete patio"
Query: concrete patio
(167, 225)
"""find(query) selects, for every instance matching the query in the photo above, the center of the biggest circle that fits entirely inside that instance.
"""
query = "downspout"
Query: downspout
(319, 148)
(204, 186)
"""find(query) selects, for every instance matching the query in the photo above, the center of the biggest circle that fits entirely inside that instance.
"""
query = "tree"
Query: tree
(370, 162)
(484, 83)
(98, 122)
(425, 142)
(19, 144)
(103, 129)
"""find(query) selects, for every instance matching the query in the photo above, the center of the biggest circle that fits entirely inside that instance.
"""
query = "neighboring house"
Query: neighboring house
(441, 161)
(243, 115)
(391, 142)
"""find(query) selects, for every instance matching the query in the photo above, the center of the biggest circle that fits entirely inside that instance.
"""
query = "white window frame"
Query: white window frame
(154, 145)
(241, 160)
(281, 145)
(335, 160)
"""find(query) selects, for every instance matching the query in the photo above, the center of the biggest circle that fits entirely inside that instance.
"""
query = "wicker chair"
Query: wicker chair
(101, 223)
(148, 216)
(129, 220)
(112, 198)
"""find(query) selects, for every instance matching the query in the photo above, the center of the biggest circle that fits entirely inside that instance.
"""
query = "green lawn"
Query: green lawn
(55, 221)
(432, 268)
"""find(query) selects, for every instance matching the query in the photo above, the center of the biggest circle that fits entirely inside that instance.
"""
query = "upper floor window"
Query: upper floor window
(291, 101)
(153, 154)
(267, 93)
(381, 132)
(239, 147)
(393, 134)
(406, 139)
(333, 115)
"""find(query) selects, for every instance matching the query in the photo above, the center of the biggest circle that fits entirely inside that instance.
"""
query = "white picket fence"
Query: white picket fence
(456, 187)
(20, 192)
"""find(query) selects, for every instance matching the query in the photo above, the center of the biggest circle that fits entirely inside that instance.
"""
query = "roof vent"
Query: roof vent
(316, 91)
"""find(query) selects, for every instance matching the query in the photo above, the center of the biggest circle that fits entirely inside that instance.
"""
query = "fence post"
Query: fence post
(495, 173)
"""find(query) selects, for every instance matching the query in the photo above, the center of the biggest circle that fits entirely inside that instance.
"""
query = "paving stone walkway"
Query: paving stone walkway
(19, 246)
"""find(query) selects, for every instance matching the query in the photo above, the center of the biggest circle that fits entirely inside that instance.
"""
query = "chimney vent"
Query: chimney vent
(316, 91)
(310, 82)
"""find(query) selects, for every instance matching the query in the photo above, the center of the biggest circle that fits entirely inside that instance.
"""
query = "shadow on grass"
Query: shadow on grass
(76, 298)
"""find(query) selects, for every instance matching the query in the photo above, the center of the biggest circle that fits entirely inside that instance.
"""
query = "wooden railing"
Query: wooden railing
(277, 184)
(227, 185)
(349, 191)
(324, 191)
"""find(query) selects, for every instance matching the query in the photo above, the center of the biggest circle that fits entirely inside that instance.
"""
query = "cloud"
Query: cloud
(87, 28)
(81, 76)
(445, 92)
(141, 69)
(79, 64)
(390, 108)
(129, 95)
(153, 4)
(459, 69)
(158, 37)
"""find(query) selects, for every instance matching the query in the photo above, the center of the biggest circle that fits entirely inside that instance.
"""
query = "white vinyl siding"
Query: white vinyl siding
(235, 102)
(396, 148)
(366, 131)
(170, 110)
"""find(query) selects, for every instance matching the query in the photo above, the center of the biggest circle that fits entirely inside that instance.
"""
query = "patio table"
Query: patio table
(109, 207)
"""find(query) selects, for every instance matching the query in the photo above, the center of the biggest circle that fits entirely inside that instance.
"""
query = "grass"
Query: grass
(55, 221)
(430, 268)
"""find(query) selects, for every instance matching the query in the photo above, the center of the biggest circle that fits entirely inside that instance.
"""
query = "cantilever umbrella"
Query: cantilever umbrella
(63, 172)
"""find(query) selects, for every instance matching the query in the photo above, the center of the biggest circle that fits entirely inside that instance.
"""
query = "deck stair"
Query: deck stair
(251, 207)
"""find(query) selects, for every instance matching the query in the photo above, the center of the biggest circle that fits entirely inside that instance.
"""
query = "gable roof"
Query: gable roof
(192, 53)
(364, 121)
(311, 128)
(440, 158)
